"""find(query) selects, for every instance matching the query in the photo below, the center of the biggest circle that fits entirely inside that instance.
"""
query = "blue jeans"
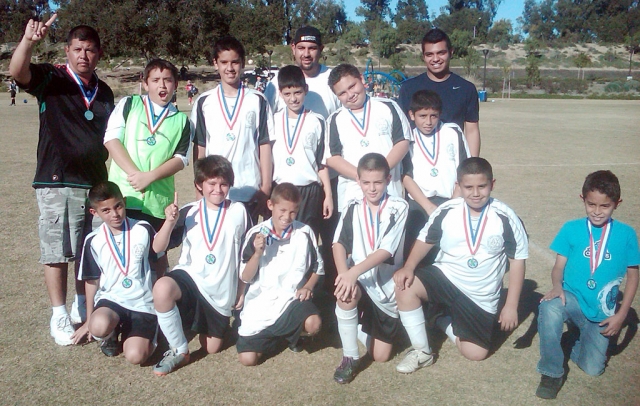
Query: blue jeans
(589, 352)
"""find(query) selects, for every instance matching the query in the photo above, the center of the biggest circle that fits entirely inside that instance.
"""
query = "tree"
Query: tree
(471, 61)
(411, 20)
(14, 15)
(537, 20)
(384, 40)
(460, 42)
(581, 60)
(632, 43)
(501, 32)
(506, 79)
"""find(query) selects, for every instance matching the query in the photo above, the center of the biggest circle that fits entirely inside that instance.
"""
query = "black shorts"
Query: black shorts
(132, 323)
(155, 222)
(289, 326)
(417, 218)
(469, 321)
(310, 207)
(196, 313)
(375, 322)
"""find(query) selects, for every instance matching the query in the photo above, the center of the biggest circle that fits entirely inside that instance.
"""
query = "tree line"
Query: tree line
(184, 30)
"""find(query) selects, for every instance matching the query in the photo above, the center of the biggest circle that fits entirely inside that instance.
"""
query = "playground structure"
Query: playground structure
(381, 83)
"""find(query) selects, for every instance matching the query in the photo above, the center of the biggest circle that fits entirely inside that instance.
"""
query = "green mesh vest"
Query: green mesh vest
(146, 157)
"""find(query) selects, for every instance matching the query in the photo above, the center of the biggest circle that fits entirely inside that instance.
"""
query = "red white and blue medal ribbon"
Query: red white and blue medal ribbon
(292, 141)
(599, 252)
(272, 234)
(153, 122)
(121, 257)
(368, 219)
(474, 238)
(231, 117)
(363, 127)
(88, 95)
(211, 236)
(430, 156)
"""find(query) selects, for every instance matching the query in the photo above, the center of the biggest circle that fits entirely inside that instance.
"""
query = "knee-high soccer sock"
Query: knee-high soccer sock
(444, 324)
(348, 330)
(414, 323)
(171, 325)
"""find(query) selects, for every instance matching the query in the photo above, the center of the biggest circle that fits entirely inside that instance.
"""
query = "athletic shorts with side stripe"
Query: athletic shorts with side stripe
(132, 323)
(375, 322)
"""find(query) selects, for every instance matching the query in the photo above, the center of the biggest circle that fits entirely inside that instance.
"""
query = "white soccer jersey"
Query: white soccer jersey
(377, 128)
(234, 127)
(121, 262)
(286, 265)
(211, 241)
(433, 160)
(298, 152)
(475, 258)
(356, 234)
(320, 99)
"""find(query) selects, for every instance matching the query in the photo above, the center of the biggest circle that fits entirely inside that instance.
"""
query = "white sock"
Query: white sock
(171, 325)
(415, 325)
(444, 324)
(348, 330)
(59, 311)
(363, 337)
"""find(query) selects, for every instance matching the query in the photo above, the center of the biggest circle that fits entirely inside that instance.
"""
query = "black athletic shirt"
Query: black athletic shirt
(70, 147)
(459, 97)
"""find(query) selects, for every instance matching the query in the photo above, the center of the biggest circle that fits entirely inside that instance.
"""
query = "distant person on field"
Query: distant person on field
(281, 264)
(367, 248)
(429, 170)
(203, 288)
(183, 72)
(593, 256)
(191, 90)
(459, 96)
(12, 92)
(298, 151)
(236, 122)
(115, 268)
(74, 106)
(477, 235)
(148, 139)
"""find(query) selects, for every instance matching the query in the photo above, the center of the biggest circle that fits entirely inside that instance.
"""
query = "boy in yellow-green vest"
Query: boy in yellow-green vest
(148, 139)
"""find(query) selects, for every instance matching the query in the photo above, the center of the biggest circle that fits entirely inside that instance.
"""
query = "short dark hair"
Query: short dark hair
(604, 182)
(435, 35)
(425, 99)
(213, 166)
(84, 33)
(161, 64)
(341, 71)
(286, 191)
(291, 76)
(475, 166)
(104, 191)
(229, 43)
(373, 162)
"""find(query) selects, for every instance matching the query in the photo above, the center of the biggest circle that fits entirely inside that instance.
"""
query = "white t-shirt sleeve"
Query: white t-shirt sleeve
(116, 123)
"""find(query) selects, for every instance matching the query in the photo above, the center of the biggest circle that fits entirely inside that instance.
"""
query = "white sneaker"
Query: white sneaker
(414, 360)
(78, 312)
(62, 330)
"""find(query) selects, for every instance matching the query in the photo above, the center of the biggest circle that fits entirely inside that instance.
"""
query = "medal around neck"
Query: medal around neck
(88, 115)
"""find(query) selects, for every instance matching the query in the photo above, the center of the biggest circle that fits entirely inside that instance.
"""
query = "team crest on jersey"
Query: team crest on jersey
(384, 129)
(587, 252)
(309, 142)
(495, 243)
(451, 153)
(251, 118)
(138, 251)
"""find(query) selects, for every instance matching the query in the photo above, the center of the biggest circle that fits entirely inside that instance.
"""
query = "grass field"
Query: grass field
(541, 151)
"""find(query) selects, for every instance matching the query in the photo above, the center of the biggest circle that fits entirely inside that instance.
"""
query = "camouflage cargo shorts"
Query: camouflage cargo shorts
(62, 226)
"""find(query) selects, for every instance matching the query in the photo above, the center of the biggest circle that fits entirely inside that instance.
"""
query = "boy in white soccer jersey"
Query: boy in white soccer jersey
(115, 268)
(364, 124)
(298, 151)
(368, 250)
(429, 170)
(148, 140)
(477, 234)
(281, 264)
(235, 121)
(201, 291)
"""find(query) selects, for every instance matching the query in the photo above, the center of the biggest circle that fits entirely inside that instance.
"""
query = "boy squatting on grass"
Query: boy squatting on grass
(367, 248)
(281, 264)
(594, 254)
(148, 139)
(477, 234)
(429, 170)
(362, 125)
(117, 275)
(298, 151)
(203, 287)
(236, 122)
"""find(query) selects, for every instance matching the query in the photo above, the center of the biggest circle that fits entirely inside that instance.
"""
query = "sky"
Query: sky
(509, 9)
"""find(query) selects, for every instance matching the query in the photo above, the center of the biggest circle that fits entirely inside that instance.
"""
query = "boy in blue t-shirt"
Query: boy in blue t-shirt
(594, 254)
